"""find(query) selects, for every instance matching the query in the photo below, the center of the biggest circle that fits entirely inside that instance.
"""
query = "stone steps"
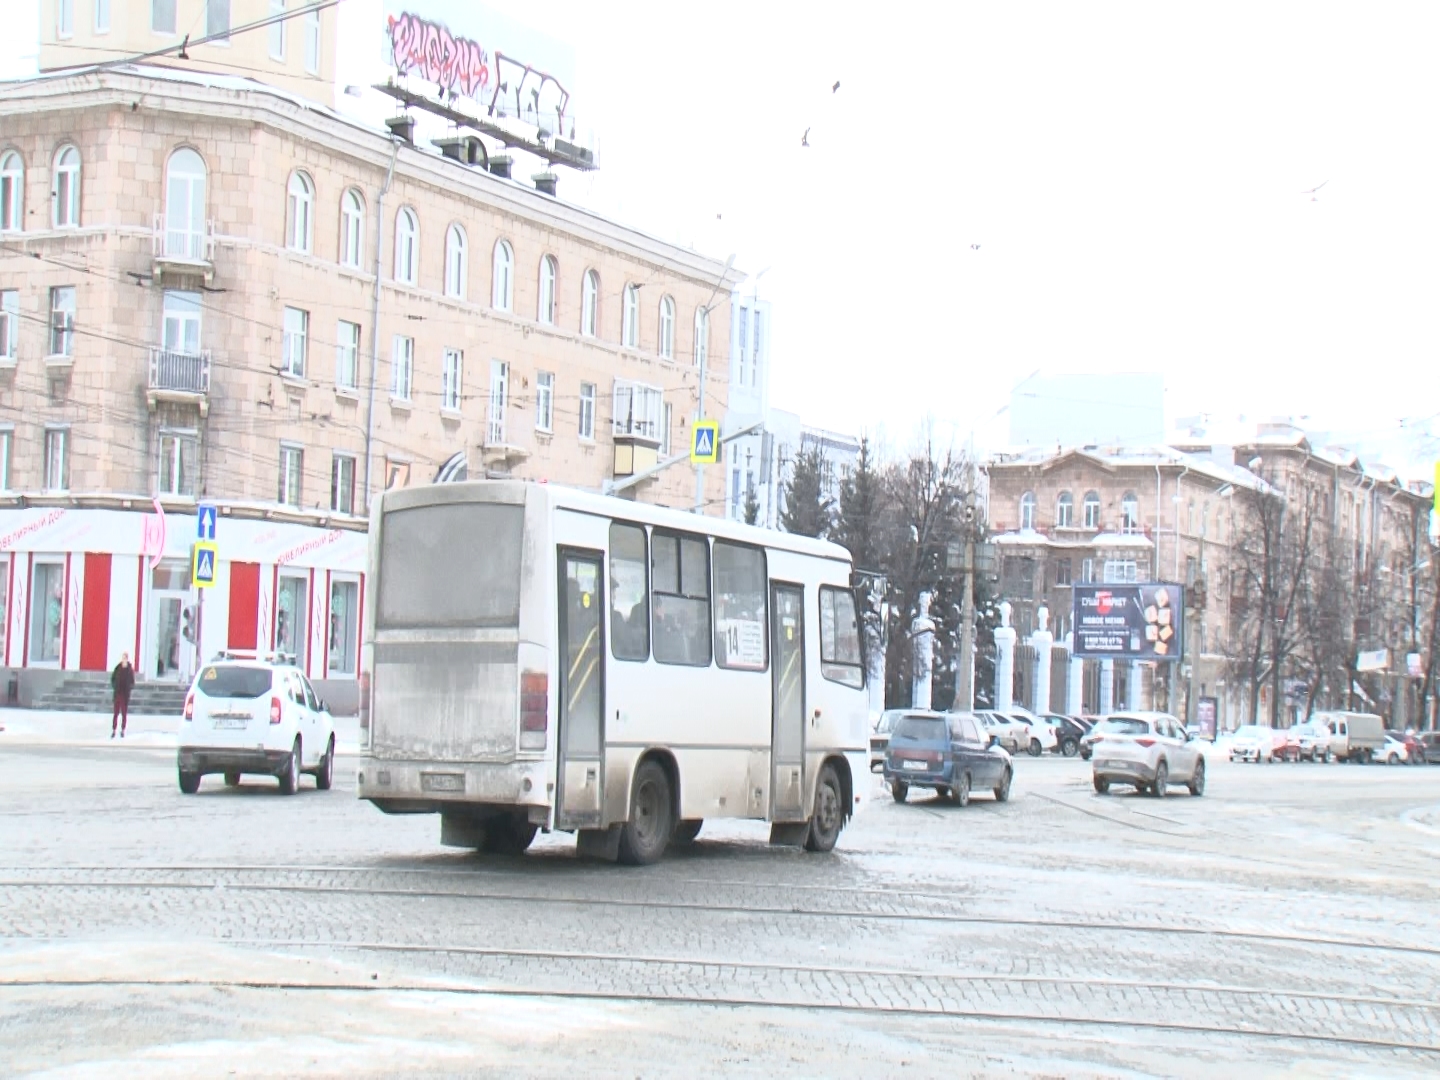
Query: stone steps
(90, 692)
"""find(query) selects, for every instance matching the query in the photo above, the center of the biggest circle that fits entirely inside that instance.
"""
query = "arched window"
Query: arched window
(702, 336)
(1129, 513)
(667, 328)
(1064, 510)
(545, 312)
(407, 243)
(630, 317)
(502, 287)
(67, 188)
(12, 192)
(457, 270)
(185, 205)
(590, 304)
(352, 228)
(1092, 510)
(1027, 510)
(300, 204)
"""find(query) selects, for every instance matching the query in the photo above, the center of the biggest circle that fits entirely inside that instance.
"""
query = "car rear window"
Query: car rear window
(218, 680)
(1123, 725)
(921, 728)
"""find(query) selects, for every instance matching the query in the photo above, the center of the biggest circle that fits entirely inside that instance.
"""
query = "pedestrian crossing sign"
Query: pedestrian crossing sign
(204, 557)
(705, 442)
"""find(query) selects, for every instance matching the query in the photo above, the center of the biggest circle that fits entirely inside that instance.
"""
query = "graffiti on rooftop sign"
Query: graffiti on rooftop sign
(462, 67)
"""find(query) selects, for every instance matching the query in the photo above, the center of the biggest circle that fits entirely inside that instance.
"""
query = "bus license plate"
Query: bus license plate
(442, 781)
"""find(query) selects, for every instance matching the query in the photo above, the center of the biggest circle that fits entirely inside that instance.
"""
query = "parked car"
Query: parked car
(950, 753)
(1011, 734)
(1149, 750)
(1251, 742)
(1087, 742)
(880, 733)
(1314, 741)
(247, 713)
(1041, 734)
(1430, 741)
(1394, 752)
(1353, 736)
(1069, 732)
(1286, 745)
(1414, 748)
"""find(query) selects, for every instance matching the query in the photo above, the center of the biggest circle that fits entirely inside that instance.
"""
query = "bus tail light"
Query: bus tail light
(275, 710)
(534, 709)
(190, 705)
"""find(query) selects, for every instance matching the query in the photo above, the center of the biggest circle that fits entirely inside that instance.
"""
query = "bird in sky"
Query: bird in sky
(805, 139)
(836, 87)
(1313, 190)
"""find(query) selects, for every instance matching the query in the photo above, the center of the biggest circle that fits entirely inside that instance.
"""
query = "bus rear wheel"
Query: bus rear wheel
(508, 836)
(687, 830)
(645, 836)
(829, 816)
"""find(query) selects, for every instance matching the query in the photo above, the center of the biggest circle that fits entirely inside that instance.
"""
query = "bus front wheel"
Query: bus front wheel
(645, 836)
(687, 830)
(829, 816)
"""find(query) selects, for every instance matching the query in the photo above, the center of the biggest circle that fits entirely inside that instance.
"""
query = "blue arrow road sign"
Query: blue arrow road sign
(205, 523)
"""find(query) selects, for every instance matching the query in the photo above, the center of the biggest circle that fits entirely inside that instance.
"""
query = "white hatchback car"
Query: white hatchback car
(1042, 734)
(1149, 750)
(251, 714)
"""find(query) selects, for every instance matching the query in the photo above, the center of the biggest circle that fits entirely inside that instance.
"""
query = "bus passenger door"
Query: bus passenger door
(787, 730)
(581, 707)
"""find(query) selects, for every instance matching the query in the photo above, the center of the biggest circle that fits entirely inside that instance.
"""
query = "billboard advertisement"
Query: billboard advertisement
(1129, 622)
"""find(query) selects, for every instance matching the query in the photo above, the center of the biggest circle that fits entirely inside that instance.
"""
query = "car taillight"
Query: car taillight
(274, 710)
(534, 709)
(190, 706)
(1147, 743)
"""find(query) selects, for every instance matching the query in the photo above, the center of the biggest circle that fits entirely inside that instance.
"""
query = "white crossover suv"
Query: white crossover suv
(1149, 750)
(251, 714)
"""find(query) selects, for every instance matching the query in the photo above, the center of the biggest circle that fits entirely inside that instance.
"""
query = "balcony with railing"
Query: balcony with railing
(179, 376)
(183, 247)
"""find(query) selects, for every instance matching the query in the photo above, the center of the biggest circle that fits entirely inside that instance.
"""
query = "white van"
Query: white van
(1354, 736)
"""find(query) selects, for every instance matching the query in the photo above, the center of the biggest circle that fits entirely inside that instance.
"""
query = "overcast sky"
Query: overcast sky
(1132, 173)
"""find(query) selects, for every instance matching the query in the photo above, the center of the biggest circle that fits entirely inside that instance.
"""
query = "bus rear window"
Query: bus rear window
(222, 681)
(452, 564)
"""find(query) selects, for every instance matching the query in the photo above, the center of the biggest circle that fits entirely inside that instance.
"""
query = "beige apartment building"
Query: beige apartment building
(190, 313)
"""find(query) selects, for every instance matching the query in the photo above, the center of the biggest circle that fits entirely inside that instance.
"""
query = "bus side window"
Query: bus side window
(681, 575)
(840, 637)
(629, 593)
(739, 606)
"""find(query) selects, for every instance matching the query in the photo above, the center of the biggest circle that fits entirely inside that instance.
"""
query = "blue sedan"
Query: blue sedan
(949, 753)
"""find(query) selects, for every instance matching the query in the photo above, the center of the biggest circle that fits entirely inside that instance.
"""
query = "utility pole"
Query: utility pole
(965, 662)
(700, 395)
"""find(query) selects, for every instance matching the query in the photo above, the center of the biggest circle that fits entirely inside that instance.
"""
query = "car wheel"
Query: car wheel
(325, 772)
(644, 837)
(1002, 790)
(1162, 779)
(829, 816)
(1329, 757)
(290, 775)
(961, 792)
(1085, 753)
(1393, 758)
(899, 789)
(686, 831)
(508, 835)
(1197, 782)
(232, 779)
(189, 782)
(1102, 786)
(1068, 748)
(1035, 748)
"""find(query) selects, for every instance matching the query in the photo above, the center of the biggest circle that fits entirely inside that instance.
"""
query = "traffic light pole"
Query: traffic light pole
(965, 662)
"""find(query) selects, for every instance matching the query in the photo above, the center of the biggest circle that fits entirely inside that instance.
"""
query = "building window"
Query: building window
(179, 463)
(457, 267)
(1087, 570)
(1064, 568)
(185, 205)
(217, 18)
(590, 304)
(454, 361)
(344, 626)
(9, 324)
(352, 228)
(407, 240)
(702, 336)
(1129, 513)
(292, 462)
(102, 16)
(1191, 570)
(742, 343)
(312, 42)
(587, 410)
(1092, 510)
(630, 318)
(295, 342)
(277, 31)
(292, 611)
(1121, 572)
(667, 328)
(499, 399)
(1017, 577)
(47, 611)
(347, 355)
(300, 203)
(182, 322)
(67, 188)
(638, 410)
(545, 401)
(64, 18)
(502, 292)
(1027, 510)
(665, 424)
(546, 311)
(162, 16)
(62, 321)
(402, 367)
(12, 192)
(7, 445)
(1064, 510)
(57, 459)
(342, 483)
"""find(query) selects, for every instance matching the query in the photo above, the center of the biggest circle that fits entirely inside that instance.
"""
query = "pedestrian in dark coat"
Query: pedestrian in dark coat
(122, 681)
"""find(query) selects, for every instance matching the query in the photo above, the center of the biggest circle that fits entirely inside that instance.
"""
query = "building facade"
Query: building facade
(212, 291)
